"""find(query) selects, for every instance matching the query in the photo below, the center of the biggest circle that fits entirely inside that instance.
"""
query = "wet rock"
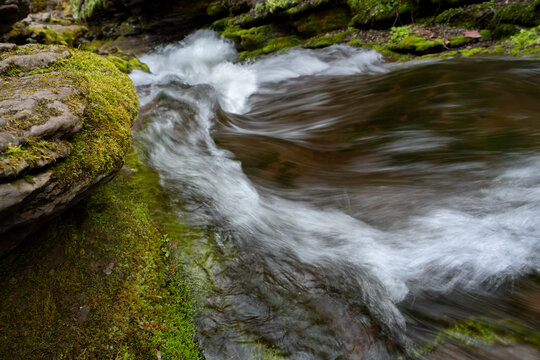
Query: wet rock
(65, 120)
(169, 21)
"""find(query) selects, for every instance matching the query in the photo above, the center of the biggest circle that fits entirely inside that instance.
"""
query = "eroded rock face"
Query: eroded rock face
(170, 20)
(12, 11)
(65, 120)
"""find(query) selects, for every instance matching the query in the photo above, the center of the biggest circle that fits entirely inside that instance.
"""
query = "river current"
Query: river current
(353, 208)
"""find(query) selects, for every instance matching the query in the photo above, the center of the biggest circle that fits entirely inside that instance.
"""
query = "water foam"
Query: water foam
(478, 239)
(205, 58)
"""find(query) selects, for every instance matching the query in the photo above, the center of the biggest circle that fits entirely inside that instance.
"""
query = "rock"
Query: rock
(65, 118)
(31, 62)
(7, 46)
(12, 11)
(82, 314)
(169, 21)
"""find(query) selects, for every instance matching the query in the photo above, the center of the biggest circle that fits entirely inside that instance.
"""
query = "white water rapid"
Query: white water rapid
(470, 240)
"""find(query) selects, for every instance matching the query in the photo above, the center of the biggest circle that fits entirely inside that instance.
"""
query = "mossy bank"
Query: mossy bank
(97, 284)
(400, 30)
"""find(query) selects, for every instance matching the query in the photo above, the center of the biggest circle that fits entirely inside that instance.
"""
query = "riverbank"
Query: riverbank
(98, 283)
(401, 31)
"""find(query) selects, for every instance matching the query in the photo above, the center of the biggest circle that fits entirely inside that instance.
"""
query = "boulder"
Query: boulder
(12, 11)
(65, 119)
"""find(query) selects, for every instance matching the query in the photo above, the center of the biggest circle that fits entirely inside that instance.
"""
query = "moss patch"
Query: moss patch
(417, 45)
(323, 21)
(34, 153)
(48, 35)
(127, 65)
(274, 45)
(327, 39)
(96, 284)
(483, 332)
(111, 106)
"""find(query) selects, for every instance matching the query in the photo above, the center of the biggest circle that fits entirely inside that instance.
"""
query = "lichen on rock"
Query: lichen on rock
(65, 118)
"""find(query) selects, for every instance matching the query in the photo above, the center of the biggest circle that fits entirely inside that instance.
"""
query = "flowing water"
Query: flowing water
(353, 209)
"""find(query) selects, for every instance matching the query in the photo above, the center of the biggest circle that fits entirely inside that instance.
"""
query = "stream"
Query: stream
(352, 208)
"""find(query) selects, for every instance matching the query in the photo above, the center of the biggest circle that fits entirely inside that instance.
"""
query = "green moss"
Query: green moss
(526, 13)
(327, 39)
(483, 332)
(32, 154)
(498, 50)
(38, 5)
(278, 44)
(500, 18)
(273, 6)
(83, 9)
(503, 31)
(323, 21)
(96, 45)
(255, 37)
(527, 40)
(417, 45)
(233, 32)
(304, 7)
(110, 105)
(457, 17)
(399, 33)
(470, 52)
(356, 43)
(45, 35)
(127, 65)
(458, 41)
(372, 12)
(96, 285)
(486, 34)
(443, 55)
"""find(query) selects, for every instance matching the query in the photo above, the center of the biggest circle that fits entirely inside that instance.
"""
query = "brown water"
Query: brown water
(353, 209)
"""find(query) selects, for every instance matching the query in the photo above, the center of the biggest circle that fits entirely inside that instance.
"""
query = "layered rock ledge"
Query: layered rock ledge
(65, 119)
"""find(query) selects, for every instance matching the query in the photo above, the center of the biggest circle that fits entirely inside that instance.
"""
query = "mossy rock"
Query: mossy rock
(417, 45)
(502, 20)
(216, 9)
(48, 34)
(323, 21)
(458, 41)
(278, 44)
(484, 338)
(255, 37)
(65, 124)
(376, 13)
(329, 39)
(127, 64)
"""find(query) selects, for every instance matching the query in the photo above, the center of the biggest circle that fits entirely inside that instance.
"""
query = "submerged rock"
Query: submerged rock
(65, 118)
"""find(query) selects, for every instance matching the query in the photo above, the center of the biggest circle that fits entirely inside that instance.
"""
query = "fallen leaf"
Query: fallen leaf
(473, 34)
